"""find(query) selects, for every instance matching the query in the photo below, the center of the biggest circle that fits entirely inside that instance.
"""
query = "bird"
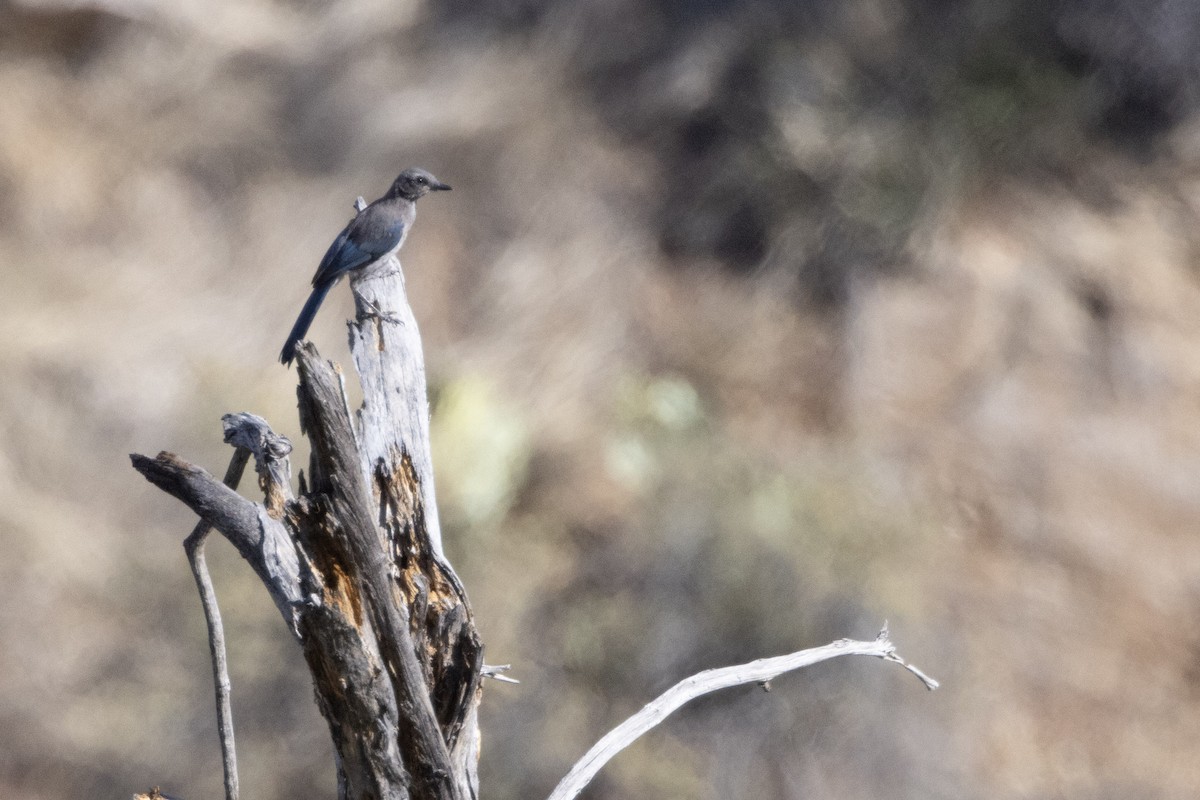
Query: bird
(375, 234)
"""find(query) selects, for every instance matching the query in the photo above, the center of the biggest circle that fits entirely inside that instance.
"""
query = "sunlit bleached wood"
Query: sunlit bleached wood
(761, 671)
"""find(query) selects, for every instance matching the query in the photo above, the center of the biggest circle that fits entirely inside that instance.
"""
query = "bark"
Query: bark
(355, 563)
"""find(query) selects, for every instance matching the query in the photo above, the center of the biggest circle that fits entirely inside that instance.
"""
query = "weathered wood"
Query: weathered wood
(761, 671)
(393, 436)
(355, 562)
(252, 434)
(263, 541)
(222, 507)
(193, 545)
(385, 344)
(360, 552)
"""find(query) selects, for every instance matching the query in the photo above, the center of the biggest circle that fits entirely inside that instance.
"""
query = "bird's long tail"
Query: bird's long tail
(304, 320)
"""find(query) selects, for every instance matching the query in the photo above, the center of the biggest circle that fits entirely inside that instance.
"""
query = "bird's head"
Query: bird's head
(414, 183)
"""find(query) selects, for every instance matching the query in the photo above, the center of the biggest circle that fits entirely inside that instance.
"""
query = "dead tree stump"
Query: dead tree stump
(355, 562)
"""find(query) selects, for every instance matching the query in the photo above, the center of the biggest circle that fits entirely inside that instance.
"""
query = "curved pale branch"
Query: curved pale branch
(702, 683)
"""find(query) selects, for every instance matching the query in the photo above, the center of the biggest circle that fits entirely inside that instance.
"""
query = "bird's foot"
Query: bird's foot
(373, 311)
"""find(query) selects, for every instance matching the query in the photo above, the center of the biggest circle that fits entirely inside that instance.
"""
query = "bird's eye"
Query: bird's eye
(420, 180)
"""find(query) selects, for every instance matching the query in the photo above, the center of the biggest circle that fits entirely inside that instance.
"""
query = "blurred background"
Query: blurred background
(749, 325)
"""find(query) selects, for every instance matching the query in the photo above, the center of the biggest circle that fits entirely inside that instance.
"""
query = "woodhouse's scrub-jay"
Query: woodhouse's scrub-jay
(376, 233)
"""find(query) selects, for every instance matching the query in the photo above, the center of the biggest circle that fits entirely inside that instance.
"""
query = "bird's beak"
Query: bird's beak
(440, 187)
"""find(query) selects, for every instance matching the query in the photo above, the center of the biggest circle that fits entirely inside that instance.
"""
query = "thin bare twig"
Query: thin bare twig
(760, 671)
(496, 672)
(193, 545)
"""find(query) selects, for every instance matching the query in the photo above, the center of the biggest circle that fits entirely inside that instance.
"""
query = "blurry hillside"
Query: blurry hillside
(751, 325)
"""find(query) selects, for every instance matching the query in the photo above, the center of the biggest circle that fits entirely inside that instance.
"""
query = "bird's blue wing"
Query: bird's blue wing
(341, 257)
(368, 236)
